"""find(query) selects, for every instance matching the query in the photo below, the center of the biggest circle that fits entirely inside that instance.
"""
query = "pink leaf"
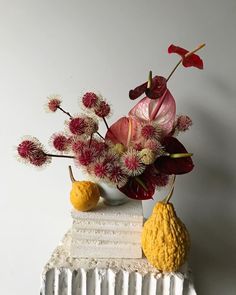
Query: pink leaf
(162, 111)
(123, 131)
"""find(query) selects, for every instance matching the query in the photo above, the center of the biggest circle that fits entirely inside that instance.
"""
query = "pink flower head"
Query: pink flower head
(100, 168)
(117, 176)
(183, 123)
(77, 145)
(138, 146)
(150, 131)
(131, 163)
(60, 142)
(39, 158)
(26, 148)
(157, 89)
(153, 145)
(77, 125)
(91, 126)
(98, 146)
(85, 157)
(90, 99)
(54, 102)
(103, 109)
(192, 60)
(31, 150)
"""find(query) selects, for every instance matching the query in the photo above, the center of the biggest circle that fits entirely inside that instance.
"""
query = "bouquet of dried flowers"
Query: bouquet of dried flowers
(138, 152)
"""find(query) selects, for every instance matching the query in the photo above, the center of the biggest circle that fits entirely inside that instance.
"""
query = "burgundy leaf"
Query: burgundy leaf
(135, 190)
(169, 165)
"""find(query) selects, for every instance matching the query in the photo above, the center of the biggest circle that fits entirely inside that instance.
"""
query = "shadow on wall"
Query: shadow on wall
(213, 256)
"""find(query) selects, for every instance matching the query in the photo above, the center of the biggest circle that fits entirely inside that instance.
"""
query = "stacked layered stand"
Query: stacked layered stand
(101, 255)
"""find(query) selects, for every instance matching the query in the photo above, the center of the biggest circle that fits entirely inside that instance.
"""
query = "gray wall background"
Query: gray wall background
(69, 47)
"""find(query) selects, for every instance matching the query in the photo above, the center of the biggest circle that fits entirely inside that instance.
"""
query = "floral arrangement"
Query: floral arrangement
(138, 152)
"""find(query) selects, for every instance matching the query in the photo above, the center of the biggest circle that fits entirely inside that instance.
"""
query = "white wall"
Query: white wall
(68, 47)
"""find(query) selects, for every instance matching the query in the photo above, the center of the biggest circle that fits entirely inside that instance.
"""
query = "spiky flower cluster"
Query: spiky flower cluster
(96, 104)
(103, 159)
(138, 152)
(31, 151)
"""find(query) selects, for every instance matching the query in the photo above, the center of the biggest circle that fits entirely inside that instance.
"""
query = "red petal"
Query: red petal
(134, 190)
(157, 89)
(136, 92)
(176, 49)
(170, 166)
(191, 61)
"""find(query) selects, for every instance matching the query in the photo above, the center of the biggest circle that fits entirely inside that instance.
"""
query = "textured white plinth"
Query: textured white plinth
(108, 231)
(65, 275)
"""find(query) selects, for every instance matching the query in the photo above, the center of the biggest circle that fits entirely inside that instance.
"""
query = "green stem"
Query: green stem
(174, 69)
(180, 155)
(167, 198)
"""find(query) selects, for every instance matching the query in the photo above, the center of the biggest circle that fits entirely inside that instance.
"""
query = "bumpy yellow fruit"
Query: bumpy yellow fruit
(84, 195)
(165, 239)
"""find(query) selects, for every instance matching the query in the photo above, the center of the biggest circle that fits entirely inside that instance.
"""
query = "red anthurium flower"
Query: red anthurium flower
(168, 165)
(157, 89)
(139, 188)
(193, 60)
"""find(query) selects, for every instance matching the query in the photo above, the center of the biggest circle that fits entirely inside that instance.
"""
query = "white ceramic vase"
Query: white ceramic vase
(111, 195)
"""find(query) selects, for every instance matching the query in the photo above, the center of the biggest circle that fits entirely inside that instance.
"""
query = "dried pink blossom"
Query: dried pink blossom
(150, 131)
(117, 176)
(77, 125)
(183, 123)
(60, 142)
(90, 99)
(54, 102)
(131, 163)
(39, 158)
(85, 157)
(77, 145)
(103, 109)
(153, 145)
(91, 126)
(138, 146)
(25, 148)
(31, 150)
(99, 146)
(100, 168)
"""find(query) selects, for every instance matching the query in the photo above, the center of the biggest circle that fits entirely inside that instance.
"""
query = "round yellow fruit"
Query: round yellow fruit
(84, 195)
(165, 239)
